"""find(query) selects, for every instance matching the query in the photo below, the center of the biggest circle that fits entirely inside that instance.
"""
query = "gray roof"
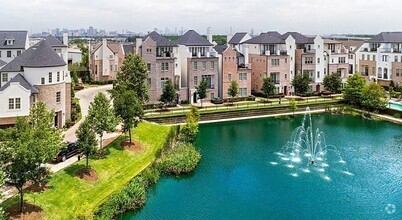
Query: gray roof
(220, 48)
(22, 81)
(2, 63)
(299, 38)
(236, 39)
(40, 55)
(53, 41)
(192, 38)
(387, 37)
(20, 38)
(271, 37)
(160, 40)
(128, 48)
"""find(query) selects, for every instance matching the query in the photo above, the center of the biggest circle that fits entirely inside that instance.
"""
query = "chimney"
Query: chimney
(209, 35)
(138, 42)
(245, 55)
(65, 39)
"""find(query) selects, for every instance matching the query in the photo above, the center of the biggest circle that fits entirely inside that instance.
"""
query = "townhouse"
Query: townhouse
(105, 59)
(380, 58)
(38, 73)
(160, 55)
(198, 61)
(12, 44)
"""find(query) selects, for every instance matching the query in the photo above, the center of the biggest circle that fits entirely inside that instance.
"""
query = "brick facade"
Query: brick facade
(230, 72)
(210, 69)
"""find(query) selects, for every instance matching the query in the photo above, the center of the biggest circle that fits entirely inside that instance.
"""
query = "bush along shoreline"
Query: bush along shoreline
(179, 156)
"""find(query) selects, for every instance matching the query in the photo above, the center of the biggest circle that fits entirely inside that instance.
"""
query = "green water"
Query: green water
(236, 179)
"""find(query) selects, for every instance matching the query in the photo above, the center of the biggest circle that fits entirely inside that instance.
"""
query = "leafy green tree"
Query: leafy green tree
(129, 109)
(233, 89)
(101, 116)
(190, 129)
(33, 141)
(133, 76)
(202, 90)
(85, 56)
(301, 83)
(86, 140)
(353, 89)
(333, 82)
(373, 97)
(293, 106)
(268, 87)
(169, 93)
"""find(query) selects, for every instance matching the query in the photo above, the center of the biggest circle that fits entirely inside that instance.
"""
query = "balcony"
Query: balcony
(243, 66)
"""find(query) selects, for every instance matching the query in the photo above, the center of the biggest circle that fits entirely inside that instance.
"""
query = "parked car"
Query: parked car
(68, 151)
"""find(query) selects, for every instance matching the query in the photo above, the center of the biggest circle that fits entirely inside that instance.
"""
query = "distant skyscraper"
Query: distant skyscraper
(91, 32)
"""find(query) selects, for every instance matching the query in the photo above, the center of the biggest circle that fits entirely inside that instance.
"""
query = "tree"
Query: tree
(353, 89)
(133, 76)
(293, 106)
(233, 89)
(169, 93)
(33, 141)
(190, 129)
(129, 109)
(202, 90)
(301, 83)
(373, 97)
(101, 116)
(268, 86)
(333, 82)
(86, 140)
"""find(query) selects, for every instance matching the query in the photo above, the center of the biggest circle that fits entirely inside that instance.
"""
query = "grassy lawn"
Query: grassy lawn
(70, 195)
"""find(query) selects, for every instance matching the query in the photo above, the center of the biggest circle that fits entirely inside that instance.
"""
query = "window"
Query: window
(163, 82)
(195, 80)
(373, 57)
(229, 77)
(318, 74)
(58, 94)
(396, 58)
(212, 65)
(325, 71)
(362, 56)
(342, 60)
(275, 62)
(368, 56)
(209, 80)
(165, 66)
(11, 104)
(149, 50)
(111, 68)
(42, 81)
(9, 53)
(50, 77)
(385, 58)
(149, 67)
(242, 92)
(242, 76)
(195, 65)
(4, 77)
(18, 52)
(58, 76)
(204, 65)
(318, 60)
(308, 60)
(17, 103)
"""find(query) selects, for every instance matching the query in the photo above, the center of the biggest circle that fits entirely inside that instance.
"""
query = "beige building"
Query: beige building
(105, 59)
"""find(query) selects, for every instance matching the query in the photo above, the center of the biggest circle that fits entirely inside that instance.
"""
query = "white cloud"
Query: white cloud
(307, 16)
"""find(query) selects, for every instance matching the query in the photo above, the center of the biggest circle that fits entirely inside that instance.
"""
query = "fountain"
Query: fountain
(307, 151)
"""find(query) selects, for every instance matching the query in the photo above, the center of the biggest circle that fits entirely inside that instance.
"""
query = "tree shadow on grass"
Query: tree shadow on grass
(71, 170)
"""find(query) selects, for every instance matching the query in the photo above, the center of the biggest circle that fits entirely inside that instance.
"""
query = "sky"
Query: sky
(305, 16)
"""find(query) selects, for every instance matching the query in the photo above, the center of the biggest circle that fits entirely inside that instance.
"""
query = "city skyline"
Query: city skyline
(312, 17)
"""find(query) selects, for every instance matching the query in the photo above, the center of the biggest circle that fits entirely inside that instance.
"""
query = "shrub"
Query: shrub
(184, 102)
(182, 159)
(150, 175)
(217, 101)
(397, 115)
(283, 117)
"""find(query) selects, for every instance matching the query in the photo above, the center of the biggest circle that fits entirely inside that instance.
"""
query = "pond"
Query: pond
(241, 175)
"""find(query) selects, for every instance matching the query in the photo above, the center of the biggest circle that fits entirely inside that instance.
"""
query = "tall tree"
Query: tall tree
(268, 87)
(233, 89)
(86, 140)
(101, 116)
(133, 75)
(301, 83)
(373, 97)
(33, 141)
(202, 90)
(353, 89)
(169, 93)
(333, 82)
(129, 109)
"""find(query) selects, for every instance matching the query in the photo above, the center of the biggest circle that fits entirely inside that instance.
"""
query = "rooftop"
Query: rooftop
(160, 40)
(192, 38)
(387, 37)
(22, 81)
(19, 37)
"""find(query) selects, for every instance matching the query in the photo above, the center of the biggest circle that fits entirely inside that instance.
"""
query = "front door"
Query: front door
(56, 120)
(317, 88)
(285, 90)
(194, 97)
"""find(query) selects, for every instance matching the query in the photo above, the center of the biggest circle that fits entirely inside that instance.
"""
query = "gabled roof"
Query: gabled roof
(128, 48)
(220, 48)
(53, 41)
(39, 55)
(160, 40)
(299, 38)
(2, 63)
(387, 37)
(19, 37)
(236, 39)
(22, 81)
(192, 38)
(114, 46)
(352, 43)
(272, 37)
(330, 41)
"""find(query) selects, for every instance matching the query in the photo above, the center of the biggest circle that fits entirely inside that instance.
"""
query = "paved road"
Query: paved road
(85, 98)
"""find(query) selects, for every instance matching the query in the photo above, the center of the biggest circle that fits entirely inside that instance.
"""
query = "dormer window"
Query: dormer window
(10, 42)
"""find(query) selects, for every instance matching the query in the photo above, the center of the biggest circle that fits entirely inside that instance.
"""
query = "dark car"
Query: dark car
(66, 152)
